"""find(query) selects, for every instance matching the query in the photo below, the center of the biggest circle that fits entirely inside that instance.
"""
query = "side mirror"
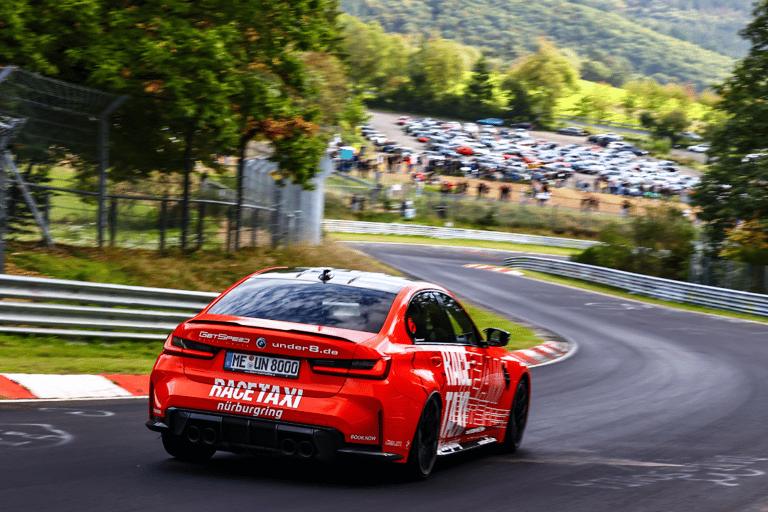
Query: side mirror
(496, 337)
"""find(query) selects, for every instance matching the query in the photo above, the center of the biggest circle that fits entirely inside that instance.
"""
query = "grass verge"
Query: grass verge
(199, 270)
(475, 244)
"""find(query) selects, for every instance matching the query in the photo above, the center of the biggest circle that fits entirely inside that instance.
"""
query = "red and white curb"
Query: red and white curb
(19, 386)
(545, 353)
(494, 268)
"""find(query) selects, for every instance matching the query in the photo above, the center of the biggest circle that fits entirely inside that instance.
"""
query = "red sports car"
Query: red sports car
(319, 362)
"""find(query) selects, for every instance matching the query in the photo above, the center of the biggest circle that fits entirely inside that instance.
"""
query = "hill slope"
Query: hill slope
(591, 28)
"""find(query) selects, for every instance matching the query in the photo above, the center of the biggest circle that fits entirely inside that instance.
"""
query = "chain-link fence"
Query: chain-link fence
(62, 156)
(148, 214)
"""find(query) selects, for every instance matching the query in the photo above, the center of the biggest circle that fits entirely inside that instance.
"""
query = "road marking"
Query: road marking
(77, 412)
(32, 435)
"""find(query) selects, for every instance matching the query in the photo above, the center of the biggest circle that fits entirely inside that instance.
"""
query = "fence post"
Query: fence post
(103, 141)
(229, 228)
(254, 225)
(112, 221)
(200, 224)
(47, 207)
(163, 221)
(276, 213)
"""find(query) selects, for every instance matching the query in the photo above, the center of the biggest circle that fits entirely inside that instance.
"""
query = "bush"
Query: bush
(659, 243)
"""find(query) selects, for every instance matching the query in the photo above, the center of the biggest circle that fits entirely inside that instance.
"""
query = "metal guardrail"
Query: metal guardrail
(665, 289)
(382, 228)
(75, 308)
(605, 122)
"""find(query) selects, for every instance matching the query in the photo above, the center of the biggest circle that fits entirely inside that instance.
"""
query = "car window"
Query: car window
(464, 331)
(426, 321)
(326, 304)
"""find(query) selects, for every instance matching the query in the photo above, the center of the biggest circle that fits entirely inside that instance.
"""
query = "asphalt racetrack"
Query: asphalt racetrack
(658, 410)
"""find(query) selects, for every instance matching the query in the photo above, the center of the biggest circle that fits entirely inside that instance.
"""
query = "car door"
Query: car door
(486, 370)
(446, 351)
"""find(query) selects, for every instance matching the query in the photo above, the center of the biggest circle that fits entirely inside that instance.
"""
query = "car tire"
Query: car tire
(185, 451)
(423, 452)
(518, 419)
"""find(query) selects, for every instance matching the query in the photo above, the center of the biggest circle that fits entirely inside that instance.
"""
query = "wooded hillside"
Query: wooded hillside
(657, 37)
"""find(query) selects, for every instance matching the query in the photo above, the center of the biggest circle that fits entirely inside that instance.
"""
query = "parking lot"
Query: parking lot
(540, 155)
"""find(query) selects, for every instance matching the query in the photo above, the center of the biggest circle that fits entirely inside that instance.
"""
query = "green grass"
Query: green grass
(586, 285)
(48, 354)
(519, 337)
(475, 244)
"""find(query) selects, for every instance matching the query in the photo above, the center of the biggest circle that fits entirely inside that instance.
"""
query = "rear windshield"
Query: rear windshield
(326, 304)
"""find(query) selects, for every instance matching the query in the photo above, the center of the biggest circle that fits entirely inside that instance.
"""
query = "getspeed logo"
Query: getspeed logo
(222, 337)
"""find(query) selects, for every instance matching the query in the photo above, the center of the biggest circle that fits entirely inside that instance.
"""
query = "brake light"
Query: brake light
(376, 369)
(178, 346)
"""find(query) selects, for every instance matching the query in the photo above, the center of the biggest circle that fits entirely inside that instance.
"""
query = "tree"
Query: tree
(658, 243)
(480, 89)
(667, 126)
(736, 187)
(546, 76)
(594, 71)
(519, 103)
(202, 75)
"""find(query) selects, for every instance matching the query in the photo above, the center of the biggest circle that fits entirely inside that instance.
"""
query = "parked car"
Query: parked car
(691, 136)
(699, 148)
(572, 130)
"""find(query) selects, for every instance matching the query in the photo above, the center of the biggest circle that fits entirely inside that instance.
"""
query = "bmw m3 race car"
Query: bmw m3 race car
(314, 363)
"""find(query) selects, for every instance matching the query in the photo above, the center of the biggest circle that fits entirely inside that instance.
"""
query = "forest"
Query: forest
(673, 41)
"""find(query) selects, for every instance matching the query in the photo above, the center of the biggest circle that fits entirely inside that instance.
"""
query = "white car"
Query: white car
(699, 148)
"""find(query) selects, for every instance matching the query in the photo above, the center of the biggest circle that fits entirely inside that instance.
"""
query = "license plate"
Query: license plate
(262, 365)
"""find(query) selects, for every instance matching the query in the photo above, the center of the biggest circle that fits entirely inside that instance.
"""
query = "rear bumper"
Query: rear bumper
(237, 433)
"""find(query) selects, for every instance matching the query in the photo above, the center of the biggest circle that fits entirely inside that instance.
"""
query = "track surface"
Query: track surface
(659, 410)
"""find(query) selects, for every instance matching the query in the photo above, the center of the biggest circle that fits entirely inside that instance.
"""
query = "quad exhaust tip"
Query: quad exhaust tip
(306, 449)
(288, 446)
(193, 434)
(209, 436)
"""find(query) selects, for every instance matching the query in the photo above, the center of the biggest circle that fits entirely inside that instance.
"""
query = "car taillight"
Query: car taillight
(187, 348)
(377, 369)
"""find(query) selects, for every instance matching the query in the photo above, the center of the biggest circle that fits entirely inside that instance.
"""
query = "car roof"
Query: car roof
(359, 279)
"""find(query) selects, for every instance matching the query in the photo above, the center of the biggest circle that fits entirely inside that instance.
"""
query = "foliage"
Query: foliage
(747, 243)
(736, 187)
(666, 126)
(20, 220)
(203, 77)
(658, 243)
(654, 39)
(546, 76)
(480, 88)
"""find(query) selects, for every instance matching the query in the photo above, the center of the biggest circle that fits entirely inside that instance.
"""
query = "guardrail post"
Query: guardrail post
(3, 216)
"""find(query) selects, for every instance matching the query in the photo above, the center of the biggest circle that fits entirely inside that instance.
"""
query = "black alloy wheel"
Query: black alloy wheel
(518, 419)
(423, 452)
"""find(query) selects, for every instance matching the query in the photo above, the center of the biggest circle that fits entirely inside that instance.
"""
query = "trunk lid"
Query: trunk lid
(271, 358)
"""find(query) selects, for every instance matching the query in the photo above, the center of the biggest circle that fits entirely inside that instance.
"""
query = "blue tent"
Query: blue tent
(493, 121)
